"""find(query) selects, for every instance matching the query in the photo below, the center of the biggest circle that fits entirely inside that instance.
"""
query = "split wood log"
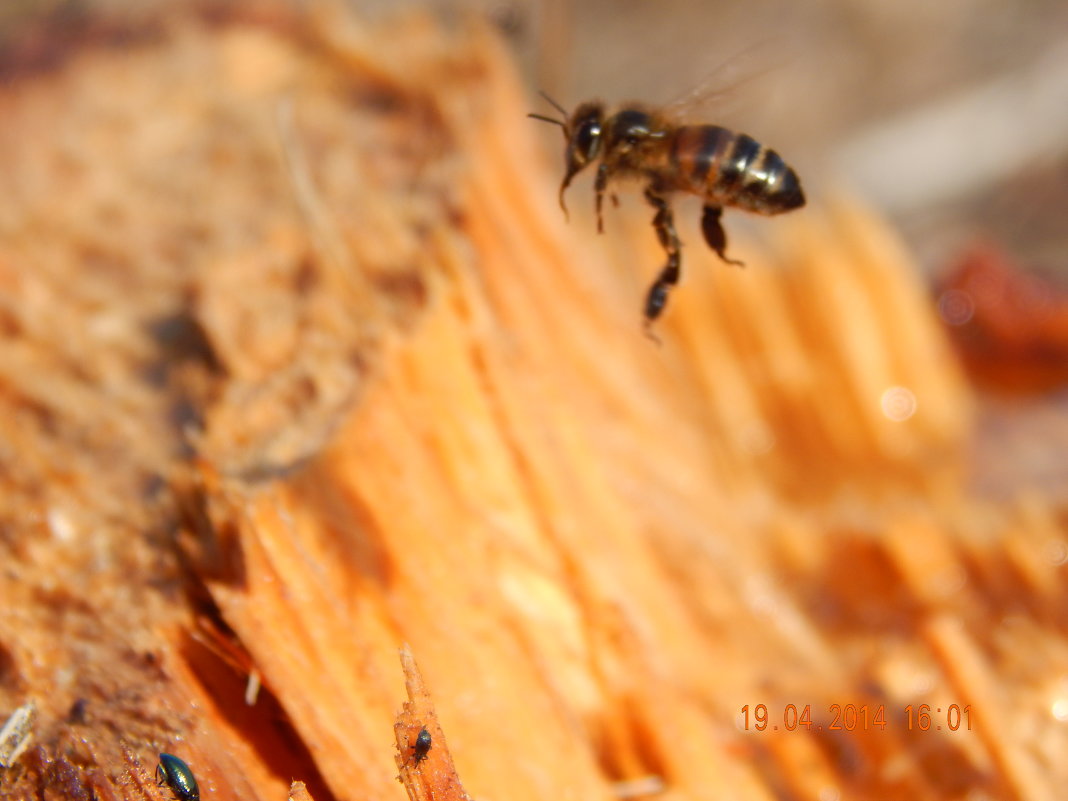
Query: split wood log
(307, 277)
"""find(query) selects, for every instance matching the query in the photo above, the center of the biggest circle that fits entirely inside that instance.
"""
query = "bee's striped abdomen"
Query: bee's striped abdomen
(731, 169)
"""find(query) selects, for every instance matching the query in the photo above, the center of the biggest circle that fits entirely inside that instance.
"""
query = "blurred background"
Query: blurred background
(950, 118)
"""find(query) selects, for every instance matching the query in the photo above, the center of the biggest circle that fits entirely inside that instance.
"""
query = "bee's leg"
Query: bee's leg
(599, 186)
(664, 224)
(714, 235)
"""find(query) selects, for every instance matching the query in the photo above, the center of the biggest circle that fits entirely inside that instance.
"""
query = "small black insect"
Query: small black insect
(175, 774)
(76, 713)
(422, 746)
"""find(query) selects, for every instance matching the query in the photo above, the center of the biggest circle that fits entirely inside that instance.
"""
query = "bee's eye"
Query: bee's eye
(588, 138)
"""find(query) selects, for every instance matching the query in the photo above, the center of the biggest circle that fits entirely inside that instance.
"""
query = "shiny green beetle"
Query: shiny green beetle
(174, 773)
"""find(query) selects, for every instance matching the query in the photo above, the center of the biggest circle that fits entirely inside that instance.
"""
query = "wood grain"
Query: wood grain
(301, 363)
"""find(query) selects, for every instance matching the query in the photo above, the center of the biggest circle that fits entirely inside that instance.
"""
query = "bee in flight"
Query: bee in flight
(721, 167)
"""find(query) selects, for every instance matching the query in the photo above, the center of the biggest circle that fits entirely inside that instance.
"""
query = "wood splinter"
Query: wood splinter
(423, 758)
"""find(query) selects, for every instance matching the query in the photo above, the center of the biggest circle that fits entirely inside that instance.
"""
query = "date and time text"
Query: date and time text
(856, 717)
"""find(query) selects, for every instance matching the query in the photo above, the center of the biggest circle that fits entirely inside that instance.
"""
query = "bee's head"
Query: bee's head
(582, 131)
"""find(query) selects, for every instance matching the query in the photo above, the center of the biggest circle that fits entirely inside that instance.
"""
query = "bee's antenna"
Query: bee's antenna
(548, 119)
(554, 104)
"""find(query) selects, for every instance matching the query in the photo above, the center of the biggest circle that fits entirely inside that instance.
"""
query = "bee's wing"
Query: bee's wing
(726, 85)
